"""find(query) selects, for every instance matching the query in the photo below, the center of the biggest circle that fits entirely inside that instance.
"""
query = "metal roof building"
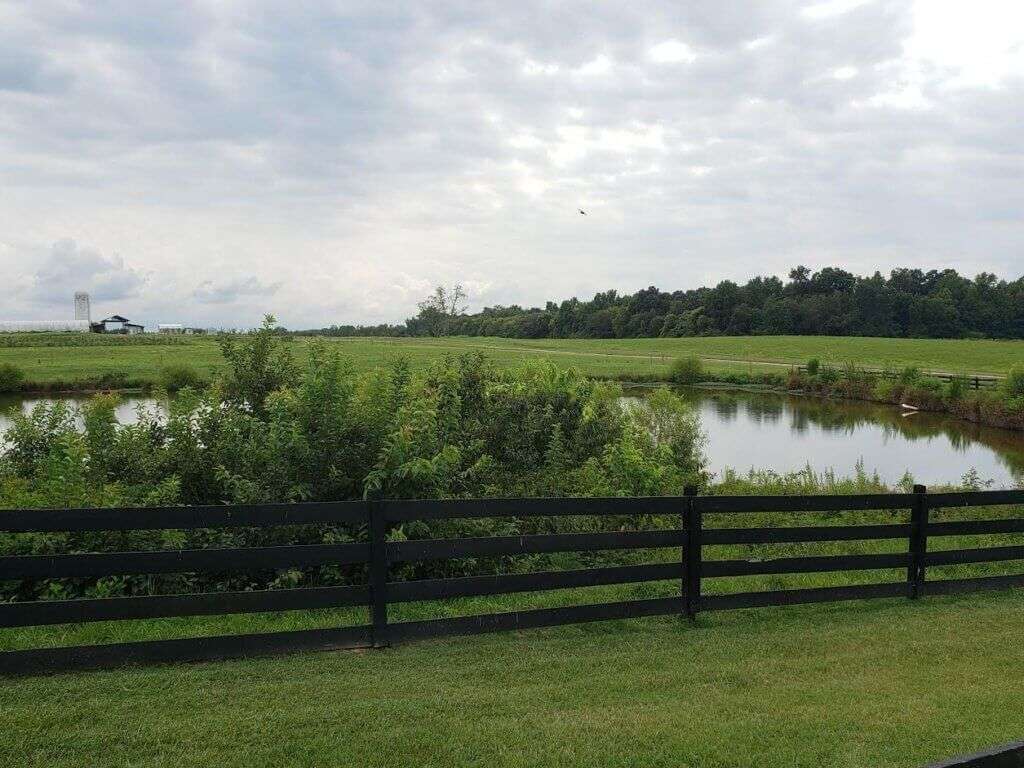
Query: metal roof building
(18, 326)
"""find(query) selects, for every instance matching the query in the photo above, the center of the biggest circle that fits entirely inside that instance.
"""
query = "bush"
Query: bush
(888, 390)
(909, 375)
(10, 377)
(1014, 384)
(813, 366)
(687, 370)
(179, 376)
(461, 427)
(955, 388)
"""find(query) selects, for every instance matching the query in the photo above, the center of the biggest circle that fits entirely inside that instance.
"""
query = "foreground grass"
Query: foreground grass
(889, 683)
(136, 363)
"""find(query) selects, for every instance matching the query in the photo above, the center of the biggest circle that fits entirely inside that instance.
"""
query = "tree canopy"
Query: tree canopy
(832, 302)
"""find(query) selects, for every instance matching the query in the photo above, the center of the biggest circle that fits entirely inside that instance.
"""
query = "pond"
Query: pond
(125, 410)
(788, 433)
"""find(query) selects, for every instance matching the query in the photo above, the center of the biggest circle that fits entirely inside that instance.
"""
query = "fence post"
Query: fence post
(378, 574)
(692, 525)
(918, 543)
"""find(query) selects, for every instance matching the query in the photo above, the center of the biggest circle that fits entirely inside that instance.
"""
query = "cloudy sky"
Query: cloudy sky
(207, 161)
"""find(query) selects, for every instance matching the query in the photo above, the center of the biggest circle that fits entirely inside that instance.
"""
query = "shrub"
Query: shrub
(955, 389)
(888, 390)
(1014, 384)
(909, 375)
(813, 366)
(178, 376)
(462, 427)
(687, 370)
(10, 377)
(113, 380)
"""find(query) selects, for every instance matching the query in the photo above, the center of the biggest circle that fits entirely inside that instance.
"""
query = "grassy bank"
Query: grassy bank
(50, 363)
(882, 684)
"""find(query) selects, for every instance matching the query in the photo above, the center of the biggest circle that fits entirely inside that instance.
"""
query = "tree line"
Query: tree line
(832, 301)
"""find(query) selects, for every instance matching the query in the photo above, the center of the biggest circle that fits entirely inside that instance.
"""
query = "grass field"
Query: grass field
(141, 363)
(888, 683)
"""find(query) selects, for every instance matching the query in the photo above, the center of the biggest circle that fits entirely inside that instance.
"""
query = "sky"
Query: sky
(207, 162)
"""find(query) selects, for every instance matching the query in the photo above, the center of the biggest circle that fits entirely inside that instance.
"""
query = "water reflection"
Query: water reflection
(788, 433)
(126, 410)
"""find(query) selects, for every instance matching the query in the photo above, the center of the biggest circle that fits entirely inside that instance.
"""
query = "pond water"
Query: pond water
(788, 433)
(125, 411)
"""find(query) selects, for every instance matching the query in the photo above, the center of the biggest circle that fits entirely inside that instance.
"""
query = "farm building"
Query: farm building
(43, 326)
(118, 324)
(81, 323)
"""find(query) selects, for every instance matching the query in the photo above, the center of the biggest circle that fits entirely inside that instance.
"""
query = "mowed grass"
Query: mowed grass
(887, 683)
(45, 365)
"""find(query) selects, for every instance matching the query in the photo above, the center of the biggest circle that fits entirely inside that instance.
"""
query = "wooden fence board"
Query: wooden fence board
(179, 561)
(216, 648)
(156, 518)
(40, 612)
(475, 586)
(687, 570)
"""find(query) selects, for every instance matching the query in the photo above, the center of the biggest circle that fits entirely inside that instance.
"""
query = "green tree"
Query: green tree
(259, 363)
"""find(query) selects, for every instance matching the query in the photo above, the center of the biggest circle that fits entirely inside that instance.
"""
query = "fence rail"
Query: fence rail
(372, 520)
(971, 380)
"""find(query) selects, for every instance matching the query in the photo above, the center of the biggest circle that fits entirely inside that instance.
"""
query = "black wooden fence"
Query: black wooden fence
(377, 554)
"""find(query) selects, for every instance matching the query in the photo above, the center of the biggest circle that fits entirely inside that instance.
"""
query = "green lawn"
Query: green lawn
(615, 358)
(889, 683)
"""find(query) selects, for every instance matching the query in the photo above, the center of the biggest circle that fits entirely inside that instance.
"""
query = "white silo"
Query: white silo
(82, 311)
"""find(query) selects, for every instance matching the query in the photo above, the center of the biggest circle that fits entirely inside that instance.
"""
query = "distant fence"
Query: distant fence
(971, 381)
(377, 554)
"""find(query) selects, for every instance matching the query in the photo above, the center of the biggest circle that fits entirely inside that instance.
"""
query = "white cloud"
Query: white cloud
(759, 42)
(979, 43)
(330, 164)
(599, 65)
(830, 8)
(66, 268)
(671, 52)
(227, 291)
(531, 67)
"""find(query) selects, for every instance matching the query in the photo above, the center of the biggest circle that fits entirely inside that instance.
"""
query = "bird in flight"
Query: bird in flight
(582, 212)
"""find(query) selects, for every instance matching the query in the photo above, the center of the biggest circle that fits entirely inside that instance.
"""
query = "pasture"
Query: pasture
(128, 362)
(888, 683)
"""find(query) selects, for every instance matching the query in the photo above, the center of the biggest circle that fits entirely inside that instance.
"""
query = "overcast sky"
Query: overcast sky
(205, 162)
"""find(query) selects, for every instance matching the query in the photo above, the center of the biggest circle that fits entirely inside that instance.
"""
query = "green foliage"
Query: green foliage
(462, 427)
(687, 370)
(909, 303)
(258, 364)
(813, 366)
(176, 376)
(11, 377)
(1013, 386)
(955, 389)
(909, 375)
